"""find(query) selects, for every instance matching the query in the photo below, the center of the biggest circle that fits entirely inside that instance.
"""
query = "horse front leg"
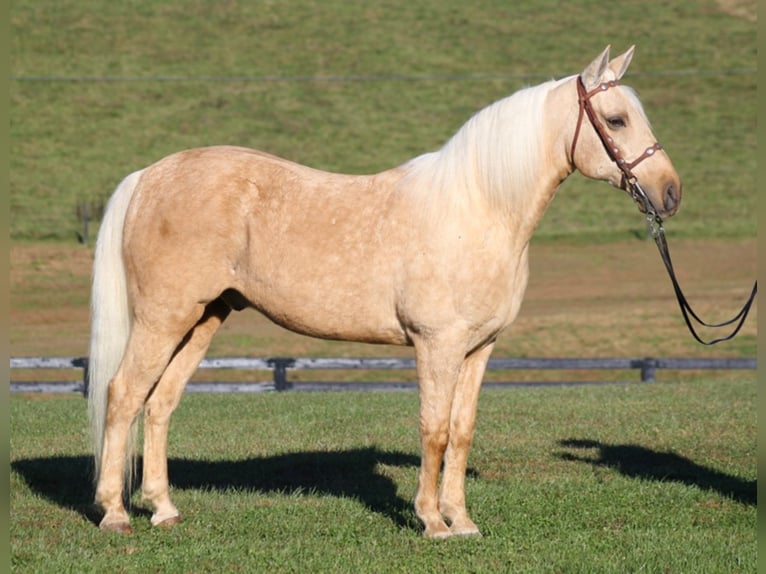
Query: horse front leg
(161, 405)
(438, 369)
(462, 424)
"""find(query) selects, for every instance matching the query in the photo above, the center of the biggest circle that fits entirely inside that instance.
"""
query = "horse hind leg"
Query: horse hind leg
(147, 354)
(462, 424)
(160, 406)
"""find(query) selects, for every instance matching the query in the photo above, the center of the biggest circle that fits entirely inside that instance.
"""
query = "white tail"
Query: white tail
(110, 312)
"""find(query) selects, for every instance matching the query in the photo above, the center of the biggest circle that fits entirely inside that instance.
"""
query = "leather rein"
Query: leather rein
(654, 222)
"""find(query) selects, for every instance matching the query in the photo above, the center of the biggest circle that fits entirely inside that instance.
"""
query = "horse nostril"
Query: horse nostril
(671, 197)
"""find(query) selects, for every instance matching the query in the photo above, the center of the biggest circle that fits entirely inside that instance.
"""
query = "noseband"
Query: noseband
(630, 184)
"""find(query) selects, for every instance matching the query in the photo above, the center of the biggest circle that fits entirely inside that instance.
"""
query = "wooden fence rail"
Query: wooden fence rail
(280, 366)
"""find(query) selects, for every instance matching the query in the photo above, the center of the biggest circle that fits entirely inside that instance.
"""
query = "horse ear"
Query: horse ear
(620, 64)
(591, 75)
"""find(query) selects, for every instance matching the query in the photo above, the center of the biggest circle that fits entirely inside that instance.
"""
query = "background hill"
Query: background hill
(100, 89)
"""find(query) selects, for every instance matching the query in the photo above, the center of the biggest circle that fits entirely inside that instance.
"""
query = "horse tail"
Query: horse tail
(110, 317)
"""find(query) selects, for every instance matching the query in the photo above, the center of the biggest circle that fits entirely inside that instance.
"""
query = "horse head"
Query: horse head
(613, 140)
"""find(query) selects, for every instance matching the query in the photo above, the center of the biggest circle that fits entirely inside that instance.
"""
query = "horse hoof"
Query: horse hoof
(118, 527)
(465, 528)
(170, 522)
(438, 532)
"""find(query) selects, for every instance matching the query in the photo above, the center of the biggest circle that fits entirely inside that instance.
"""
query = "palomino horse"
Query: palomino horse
(432, 253)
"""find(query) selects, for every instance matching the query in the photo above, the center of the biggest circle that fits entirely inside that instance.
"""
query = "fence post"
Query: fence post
(648, 370)
(85, 377)
(280, 366)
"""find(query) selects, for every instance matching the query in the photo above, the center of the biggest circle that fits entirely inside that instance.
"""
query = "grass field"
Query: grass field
(644, 478)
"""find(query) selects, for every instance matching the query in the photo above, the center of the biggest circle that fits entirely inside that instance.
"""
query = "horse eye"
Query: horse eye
(616, 122)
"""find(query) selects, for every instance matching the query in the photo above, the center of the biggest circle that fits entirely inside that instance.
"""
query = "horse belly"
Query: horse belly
(331, 284)
(329, 309)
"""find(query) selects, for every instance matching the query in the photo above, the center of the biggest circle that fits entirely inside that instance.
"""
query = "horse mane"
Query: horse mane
(633, 97)
(496, 156)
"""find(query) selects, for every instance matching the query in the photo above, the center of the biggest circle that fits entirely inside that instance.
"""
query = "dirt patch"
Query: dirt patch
(49, 298)
(746, 9)
(609, 300)
(617, 300)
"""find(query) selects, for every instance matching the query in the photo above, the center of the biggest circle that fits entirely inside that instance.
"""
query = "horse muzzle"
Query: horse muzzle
(664, 203)
(671, 198)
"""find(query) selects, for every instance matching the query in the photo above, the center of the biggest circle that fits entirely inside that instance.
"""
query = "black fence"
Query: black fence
(281, 366)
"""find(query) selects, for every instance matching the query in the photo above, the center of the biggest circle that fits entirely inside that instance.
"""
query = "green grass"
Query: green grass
(74, 141)
(641, 478)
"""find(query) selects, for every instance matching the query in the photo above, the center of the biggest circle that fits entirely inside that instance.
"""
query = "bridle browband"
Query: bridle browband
(654, 222)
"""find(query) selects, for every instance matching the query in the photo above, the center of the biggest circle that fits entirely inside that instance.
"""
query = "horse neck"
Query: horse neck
(502, 167)
(521, 204)
(559, 118)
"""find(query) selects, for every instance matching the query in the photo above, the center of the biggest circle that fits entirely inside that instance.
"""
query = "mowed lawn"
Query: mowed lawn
(638, 478)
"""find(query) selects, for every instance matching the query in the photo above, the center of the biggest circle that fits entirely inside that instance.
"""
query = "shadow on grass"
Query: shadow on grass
(351, 474)
(641, 462)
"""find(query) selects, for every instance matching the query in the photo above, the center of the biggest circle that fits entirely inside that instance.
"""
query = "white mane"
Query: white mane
(496, 155)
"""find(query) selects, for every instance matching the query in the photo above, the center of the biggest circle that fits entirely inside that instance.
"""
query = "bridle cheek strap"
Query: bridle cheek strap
(614, 153)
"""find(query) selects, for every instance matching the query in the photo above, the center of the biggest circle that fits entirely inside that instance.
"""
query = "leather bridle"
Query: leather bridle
(630, 184)
(614, 153)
